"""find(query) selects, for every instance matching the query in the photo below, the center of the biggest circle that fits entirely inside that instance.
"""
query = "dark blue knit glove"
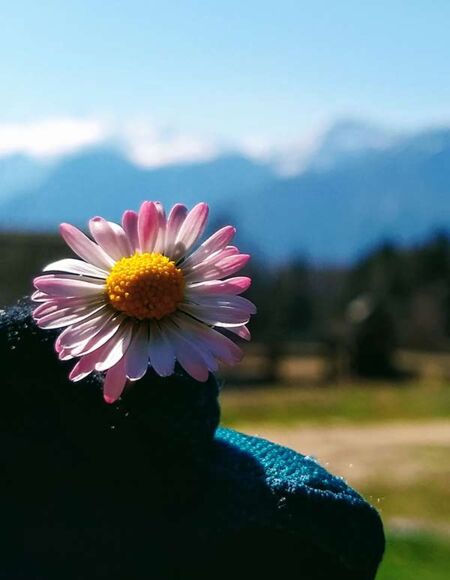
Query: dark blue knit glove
(147, 488)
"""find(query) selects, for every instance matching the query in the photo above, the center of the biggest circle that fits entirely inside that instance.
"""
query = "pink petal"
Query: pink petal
(39, 296)
(64, 354)
(115, 382)
(148, 226)
(69, 276)
(191, 229)
(217, 316)
(220, 346)
(77, 373)
(58, 346)
(46, 308)
(203, 348)
(130, 226)
(85, 365)
(76, 267)
(224, 348)
(216, 242)
(230, 286)
(54, 303)
(187, 354)
(76, 300)
(52, 308)
(161, 351)
(161, 238)
(206, 350)
(136, 360)
(67, 316)
(103, 334)
(241, 331)
(85, 248)
(67, 287)
(212, 260)
(221, 269)
(116, 348)
(82, 369)
(216, 257)
(80, 333)
(175, 220)
(227, 301)
(110, 237)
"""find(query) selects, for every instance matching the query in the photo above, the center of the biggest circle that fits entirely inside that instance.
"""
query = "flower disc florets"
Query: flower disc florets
(147, 285)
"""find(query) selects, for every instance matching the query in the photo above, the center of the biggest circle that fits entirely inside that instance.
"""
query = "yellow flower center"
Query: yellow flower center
(145, 286)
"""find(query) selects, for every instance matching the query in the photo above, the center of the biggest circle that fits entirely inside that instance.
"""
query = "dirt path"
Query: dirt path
(398, 451)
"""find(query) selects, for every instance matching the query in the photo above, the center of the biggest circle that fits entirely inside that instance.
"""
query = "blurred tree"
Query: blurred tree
(373, 338)
(414, 284)
(22, 256)
(285, 309)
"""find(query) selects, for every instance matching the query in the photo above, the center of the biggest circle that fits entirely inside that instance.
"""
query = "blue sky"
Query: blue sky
(233, 70)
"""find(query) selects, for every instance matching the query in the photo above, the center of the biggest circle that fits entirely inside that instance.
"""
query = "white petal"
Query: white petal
(73, 266)
(188, 355)
(220, 346)
(161, 351)
(39, 296)
(227, 301)
(224, 267)
(67, 316)
(213, 258)
(229, 286)
(217, 315)
(69, 302)
(45, 308)
(83, 331)
(86, 365)
(117, 347)
(136, 361)
(87, 336)
(104, 334)
(65, 355)
(66, 285)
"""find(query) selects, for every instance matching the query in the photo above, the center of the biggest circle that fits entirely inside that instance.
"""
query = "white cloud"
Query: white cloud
(288, 156)
(148, 146)
(142, 142)
(50, 137)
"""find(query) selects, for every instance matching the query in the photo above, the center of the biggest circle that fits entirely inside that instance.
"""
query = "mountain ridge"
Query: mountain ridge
(380, 187)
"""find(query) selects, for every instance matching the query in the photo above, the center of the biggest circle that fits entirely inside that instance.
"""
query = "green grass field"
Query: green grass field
(361, 403)
(415, 556)
(405, 473)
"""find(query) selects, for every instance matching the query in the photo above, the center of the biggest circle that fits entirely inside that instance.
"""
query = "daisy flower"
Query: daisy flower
(141, 296)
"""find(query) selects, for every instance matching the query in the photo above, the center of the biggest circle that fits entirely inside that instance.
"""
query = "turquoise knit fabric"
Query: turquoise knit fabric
(294, 494)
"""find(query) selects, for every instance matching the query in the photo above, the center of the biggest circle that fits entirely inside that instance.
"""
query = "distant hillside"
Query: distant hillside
(401, 193)
(103, 182)
(361, 187)
(19, 173)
